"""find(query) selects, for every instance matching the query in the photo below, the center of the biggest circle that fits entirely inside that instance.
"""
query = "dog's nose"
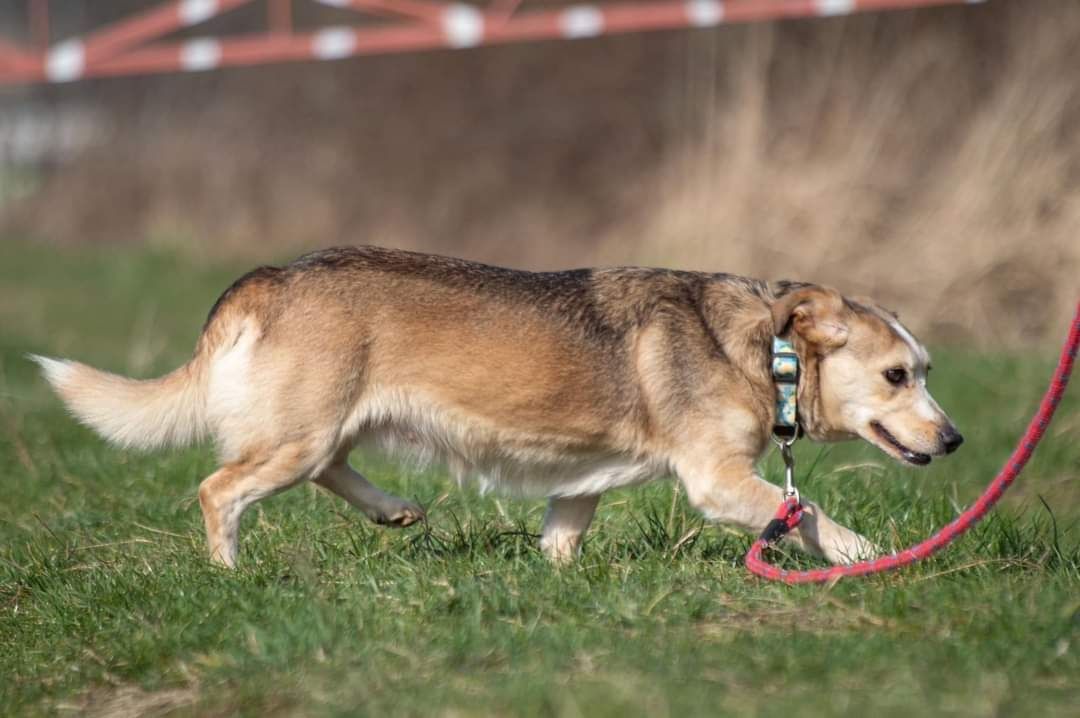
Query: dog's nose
(951, 439)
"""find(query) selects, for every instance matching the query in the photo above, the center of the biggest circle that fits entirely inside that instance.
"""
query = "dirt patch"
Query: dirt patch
(130, 702)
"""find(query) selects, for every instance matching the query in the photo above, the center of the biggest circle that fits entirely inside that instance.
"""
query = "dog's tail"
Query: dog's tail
(168, 411)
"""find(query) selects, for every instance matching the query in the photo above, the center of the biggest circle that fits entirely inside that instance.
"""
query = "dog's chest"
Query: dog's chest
(578, 477)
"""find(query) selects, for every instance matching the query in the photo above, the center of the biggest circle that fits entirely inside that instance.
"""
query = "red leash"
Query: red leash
(790, 512)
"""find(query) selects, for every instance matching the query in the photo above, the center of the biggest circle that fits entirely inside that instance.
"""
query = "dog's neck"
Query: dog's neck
(808, 394)
(749, 344)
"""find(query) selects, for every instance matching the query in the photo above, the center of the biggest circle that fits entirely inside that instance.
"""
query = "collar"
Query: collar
(785, 375)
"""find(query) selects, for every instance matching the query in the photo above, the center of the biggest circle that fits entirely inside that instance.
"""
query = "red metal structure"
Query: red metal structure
(138, 44)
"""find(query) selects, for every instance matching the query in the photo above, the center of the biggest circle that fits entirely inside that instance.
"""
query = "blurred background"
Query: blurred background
(930, 158)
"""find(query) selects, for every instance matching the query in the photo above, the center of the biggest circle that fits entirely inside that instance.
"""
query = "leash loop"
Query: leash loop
(787, 517)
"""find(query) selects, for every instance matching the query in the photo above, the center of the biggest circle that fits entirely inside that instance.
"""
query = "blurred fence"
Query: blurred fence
(119, 48)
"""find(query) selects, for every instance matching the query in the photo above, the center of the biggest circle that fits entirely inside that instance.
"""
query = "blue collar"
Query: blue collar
(785, 374)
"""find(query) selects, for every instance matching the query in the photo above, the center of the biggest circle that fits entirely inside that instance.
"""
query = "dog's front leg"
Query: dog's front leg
(565, 523)
(731, 491)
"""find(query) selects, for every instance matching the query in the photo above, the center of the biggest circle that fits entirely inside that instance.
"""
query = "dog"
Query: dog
(555, 384)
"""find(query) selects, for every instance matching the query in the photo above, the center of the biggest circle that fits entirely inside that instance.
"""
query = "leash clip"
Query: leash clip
(784, 444)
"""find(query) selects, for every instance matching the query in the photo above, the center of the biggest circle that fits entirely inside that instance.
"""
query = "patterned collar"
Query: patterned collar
(785, 374)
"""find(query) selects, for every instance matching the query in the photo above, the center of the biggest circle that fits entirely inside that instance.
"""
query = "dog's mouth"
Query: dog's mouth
(912, 457)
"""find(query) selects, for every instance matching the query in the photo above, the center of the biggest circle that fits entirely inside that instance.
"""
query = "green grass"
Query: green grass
(107, 603)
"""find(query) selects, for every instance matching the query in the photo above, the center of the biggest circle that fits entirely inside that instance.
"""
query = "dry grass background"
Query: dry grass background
(929, 158)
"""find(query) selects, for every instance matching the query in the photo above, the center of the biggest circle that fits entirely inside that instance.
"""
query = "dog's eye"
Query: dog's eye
(895, 376)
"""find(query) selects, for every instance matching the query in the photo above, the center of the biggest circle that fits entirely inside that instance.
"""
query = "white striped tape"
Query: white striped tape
(704, 13)
(334, 43)
(463, 25)
(581, 21)
(65, 61)
(201, 54)
(829, 8)
(192, 12)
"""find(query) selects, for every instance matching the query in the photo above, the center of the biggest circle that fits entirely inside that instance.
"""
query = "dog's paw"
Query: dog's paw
(851, 548)
(561, 548)
(399, 514)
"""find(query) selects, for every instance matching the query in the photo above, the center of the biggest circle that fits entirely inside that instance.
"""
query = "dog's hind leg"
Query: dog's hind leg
(565, 523)
(377, 505)
(229, 491)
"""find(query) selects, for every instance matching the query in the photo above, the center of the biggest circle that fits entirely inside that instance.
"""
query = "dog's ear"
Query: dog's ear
(817, 314)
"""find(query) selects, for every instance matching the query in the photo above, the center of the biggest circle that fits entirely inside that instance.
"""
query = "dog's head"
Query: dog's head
(864, 375)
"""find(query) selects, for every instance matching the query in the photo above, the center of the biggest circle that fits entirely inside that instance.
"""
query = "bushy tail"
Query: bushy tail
(170, 411)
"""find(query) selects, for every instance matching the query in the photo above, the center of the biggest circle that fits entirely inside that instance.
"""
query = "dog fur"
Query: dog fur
(559, 384)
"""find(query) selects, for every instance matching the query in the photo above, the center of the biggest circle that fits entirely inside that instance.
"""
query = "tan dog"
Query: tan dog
(562, 384)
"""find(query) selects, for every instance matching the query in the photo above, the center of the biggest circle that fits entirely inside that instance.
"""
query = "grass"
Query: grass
(107, 604)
